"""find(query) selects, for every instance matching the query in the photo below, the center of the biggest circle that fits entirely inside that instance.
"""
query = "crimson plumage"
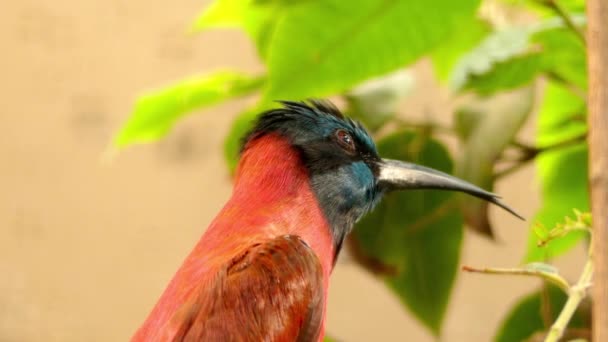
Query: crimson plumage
(272, 208)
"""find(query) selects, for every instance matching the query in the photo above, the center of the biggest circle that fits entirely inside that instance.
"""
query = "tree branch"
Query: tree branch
(597, 61)
(576, 294)
(553, 278)
(531, 152)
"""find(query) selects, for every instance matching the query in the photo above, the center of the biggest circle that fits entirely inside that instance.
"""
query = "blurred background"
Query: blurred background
(89, 238)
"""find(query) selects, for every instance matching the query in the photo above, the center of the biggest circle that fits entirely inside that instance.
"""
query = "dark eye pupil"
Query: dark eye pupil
(345, 139)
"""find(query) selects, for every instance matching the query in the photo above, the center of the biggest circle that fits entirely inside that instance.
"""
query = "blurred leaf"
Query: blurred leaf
(564, 55)
(498, 121)
(572, 6)
(419, 233)
(324, 47)
(466, 121)
(465, 36)
(512, 57)
(375, 101)
(562, 172)
(223, 14)
(510, 74)
(498, 47)
(256, 18)
(156, 112)
(526, 317)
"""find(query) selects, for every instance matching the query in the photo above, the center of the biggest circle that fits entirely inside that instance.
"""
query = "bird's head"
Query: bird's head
(346, 173)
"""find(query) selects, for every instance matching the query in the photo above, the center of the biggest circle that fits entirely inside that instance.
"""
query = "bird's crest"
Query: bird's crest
(313, 111)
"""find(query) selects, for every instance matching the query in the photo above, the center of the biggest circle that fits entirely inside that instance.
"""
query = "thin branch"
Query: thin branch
(553, 278)
(562, 13)
(576, 294)
(531, 152)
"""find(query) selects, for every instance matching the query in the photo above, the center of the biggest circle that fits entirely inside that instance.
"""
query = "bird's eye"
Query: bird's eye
(345, 140)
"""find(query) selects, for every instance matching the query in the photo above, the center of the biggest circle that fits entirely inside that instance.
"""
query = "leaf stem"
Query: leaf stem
(553, 278)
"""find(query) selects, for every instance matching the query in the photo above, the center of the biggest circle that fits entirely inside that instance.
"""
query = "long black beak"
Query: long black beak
(398, 175)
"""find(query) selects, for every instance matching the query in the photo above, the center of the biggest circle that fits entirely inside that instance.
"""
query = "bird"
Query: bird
(261, 270)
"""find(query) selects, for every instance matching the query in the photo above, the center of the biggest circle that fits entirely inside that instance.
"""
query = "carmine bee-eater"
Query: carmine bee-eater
(261, 270)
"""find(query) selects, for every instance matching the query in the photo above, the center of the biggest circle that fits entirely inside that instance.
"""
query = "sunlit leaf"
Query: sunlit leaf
(563, 171)
(497, 48)
(541, 7)
(324, 47)
(526, 317)
(222, 14)
(464, 38)
(156, 112)
(419, 233)
(498, 120)
(512, 57)
(564, 55)
(510, 74)
(256, 18)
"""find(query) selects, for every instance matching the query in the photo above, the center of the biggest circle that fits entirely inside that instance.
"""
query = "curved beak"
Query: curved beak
(398, 175)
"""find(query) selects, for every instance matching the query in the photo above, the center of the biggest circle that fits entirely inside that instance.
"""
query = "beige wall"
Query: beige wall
(86, 247)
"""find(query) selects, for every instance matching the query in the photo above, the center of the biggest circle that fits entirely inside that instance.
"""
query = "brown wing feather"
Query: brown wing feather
(271, 292)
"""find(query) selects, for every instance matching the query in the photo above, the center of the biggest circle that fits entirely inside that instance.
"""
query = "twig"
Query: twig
(576, 294)
(531, 152)
(557, 8)
(553, 278)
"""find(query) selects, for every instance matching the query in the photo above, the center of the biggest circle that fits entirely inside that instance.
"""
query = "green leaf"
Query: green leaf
(222, 14)
(540, 8)
(496, 49)
(564, 55)
(510, 74)
(562, 172)
(466, 35)
(512, 57)
(419, 233)
(256, 18)
(526, 317)
(324, 47)
(498, 119)
(156, 112)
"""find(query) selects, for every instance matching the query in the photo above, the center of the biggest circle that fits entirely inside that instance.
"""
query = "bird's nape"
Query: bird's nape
(399, 175)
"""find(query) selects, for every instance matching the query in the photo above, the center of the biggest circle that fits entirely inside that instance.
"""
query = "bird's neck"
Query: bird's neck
(273, 185)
